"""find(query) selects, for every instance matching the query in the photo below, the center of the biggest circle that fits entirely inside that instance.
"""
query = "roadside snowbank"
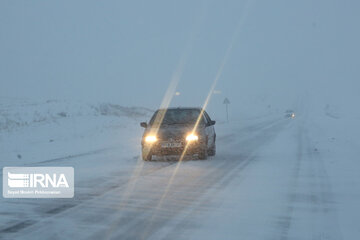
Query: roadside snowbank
(18, 113)
(40, 131)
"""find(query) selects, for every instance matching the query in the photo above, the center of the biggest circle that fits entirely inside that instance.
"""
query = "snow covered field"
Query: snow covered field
(272, 177)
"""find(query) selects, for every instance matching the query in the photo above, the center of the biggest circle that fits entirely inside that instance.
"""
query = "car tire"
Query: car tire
(212, 150)
(146, 155)
(203, 153)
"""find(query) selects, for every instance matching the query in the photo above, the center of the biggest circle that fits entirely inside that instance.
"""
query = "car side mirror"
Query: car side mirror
(211, 123)
(143, 124)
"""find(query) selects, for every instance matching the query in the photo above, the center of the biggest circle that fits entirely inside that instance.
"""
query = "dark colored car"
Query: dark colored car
(178, 131)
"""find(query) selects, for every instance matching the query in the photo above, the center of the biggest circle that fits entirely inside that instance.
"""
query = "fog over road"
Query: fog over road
(266, 182)
(77, 78)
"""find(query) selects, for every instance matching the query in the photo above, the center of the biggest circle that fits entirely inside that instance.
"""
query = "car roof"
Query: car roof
(180, 108)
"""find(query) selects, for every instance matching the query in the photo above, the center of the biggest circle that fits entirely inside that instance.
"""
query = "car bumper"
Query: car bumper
(191, 148)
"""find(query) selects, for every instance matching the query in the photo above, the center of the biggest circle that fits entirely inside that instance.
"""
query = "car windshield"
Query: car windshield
(175, 116)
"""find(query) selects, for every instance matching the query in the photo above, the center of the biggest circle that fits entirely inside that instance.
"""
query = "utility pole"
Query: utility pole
(227, 102)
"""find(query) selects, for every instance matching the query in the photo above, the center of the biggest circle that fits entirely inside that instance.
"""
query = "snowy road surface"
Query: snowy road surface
(269, 180)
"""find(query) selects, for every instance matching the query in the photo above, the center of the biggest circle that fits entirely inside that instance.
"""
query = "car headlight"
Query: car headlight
(192, 137)
(150, 139)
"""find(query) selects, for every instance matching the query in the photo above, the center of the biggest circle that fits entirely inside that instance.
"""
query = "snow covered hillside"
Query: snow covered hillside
(38, 131)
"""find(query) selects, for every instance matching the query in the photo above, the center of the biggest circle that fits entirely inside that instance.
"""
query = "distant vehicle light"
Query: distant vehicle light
(192, 137)
(150, 139)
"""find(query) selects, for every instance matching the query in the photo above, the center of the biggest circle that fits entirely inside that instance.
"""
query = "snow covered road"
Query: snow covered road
(267, 181)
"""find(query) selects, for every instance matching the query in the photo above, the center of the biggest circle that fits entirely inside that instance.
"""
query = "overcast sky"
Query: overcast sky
(127, 51)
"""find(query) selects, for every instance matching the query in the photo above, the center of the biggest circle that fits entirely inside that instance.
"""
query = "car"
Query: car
(289, 113)
(179, 131)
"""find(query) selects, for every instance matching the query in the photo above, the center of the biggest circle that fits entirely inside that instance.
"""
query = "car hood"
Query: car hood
(178, 131)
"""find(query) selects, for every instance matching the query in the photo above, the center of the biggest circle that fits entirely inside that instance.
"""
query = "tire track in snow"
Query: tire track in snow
(310, 211)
